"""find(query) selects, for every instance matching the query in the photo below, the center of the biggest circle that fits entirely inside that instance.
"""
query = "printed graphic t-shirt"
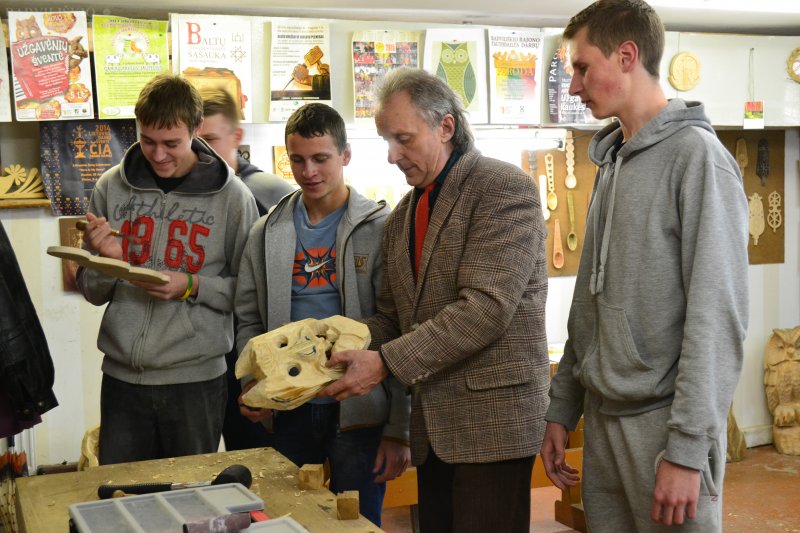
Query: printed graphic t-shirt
(314, 290)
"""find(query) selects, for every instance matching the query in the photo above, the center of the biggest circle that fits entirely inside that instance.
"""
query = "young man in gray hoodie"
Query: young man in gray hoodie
(182, 211)
(660, 306)
(318, 254)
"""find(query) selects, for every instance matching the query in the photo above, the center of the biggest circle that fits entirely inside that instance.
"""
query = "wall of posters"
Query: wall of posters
(515, 74)
(458, 56)
(376, 52)
(127, 54)
(300, 69)
(52, 76)
(5, 93)
(215, 51)
(75, 154)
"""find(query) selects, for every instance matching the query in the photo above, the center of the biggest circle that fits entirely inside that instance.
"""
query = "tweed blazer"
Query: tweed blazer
(469, 336)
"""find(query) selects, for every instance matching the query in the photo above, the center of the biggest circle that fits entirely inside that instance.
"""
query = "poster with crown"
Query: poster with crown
(51, 73)
(215, 52)
(458, 56)
(127, 54)
(515, 76)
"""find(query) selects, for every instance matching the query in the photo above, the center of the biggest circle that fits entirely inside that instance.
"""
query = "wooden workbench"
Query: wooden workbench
(43, 501)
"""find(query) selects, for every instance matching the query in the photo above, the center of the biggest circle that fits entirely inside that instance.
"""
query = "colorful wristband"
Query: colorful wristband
(188, 288)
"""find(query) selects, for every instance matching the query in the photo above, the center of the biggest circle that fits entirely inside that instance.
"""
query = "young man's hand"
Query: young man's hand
(676, 493)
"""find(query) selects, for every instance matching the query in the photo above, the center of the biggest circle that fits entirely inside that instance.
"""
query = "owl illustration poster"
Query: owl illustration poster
(458, 56)
(49, 59)
(515, 76)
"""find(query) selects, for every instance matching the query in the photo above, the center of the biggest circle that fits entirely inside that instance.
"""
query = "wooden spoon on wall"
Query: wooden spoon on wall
(558, 251)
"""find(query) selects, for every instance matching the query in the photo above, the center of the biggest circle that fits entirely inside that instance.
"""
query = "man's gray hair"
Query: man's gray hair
(433, 99)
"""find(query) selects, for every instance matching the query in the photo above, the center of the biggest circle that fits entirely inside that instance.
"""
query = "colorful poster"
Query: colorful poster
(75, 154)
(215, 51)
(376, 52)
(563, 108)
(458, 56)
(299, 65)
(515, 67)
(127, 54)
(5, 93)
(52, 78)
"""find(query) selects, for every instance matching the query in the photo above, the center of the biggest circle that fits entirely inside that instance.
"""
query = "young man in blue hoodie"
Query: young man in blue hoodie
(182, 211)
(318, 254)
(660, 306)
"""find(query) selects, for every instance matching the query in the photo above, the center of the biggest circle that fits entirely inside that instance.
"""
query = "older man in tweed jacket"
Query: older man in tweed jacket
(461, 316)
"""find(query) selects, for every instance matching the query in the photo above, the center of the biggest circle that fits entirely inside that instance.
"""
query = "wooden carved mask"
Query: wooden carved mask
(289, 362)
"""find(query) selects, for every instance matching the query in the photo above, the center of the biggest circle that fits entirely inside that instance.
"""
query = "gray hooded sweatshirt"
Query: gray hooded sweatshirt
(199, 227)
(660, 307)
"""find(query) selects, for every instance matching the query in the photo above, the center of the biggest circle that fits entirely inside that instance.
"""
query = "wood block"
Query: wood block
(311, 477)
(347, 505)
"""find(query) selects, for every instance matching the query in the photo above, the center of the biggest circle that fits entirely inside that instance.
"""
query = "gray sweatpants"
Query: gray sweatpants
(619, 460)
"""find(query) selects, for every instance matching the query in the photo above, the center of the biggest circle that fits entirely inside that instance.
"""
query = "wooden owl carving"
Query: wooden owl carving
(456, 69)
(782, 385)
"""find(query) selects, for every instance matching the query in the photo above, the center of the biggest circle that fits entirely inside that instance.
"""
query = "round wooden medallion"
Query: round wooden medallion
(684, 71)
(793, 65)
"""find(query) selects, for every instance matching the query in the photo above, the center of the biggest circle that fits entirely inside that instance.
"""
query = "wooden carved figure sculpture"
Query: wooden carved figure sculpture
(782, 384)
(289, 362)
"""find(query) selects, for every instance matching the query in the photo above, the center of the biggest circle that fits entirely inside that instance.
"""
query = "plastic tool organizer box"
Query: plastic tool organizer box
(163, 511)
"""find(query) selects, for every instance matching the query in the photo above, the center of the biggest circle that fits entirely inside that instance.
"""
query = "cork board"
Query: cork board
(771, 213)
(584, 173)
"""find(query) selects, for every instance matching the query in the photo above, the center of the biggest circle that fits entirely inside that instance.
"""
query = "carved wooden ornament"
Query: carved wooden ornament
(289, 362)
(684, 71)
(782, 385)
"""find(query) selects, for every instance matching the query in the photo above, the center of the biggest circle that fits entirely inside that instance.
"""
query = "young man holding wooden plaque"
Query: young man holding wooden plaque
(163, 391)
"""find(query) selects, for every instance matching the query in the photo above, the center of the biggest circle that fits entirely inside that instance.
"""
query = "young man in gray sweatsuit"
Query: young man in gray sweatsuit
(316, 254)
(660, 306)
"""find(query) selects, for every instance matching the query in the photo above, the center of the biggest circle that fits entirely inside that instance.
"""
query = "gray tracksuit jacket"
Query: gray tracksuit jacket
(264, 298)
(660, 306)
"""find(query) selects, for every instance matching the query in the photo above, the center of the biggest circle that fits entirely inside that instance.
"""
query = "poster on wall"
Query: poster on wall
(299, 66)
(563, 108)
(75, 154)
(5, 93)
(215, 51)
(376, 52)
(458, 56)
(127, 53)
(515, 74)
(51, 73)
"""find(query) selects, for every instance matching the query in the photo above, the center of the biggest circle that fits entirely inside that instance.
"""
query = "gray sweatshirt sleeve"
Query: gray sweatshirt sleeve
(248, 298)
(714, 214)
(217, 292)
(97, 288)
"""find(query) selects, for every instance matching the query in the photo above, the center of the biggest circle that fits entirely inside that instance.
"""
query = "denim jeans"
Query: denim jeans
(140, 422)
(310, 434)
